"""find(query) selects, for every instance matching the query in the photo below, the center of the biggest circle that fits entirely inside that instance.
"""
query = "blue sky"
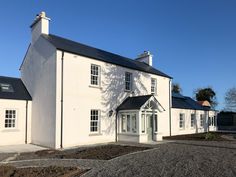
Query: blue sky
(192, 40)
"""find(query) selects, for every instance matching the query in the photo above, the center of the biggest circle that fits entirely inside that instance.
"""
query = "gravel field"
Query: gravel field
(172, 159)
(195, 159)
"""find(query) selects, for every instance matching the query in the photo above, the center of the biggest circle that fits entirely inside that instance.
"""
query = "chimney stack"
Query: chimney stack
(145, 57)
(39, 26)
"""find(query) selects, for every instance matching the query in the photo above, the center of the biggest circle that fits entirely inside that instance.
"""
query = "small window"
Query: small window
(134, 123)
(94, 121)
(128, 123)
(201, 120)
(128, 81)
(123, 123)
(95, 75)
(6, 87)
(153, 86)
(143, 123)
(192, 120)
(181, 121)
(10, 118)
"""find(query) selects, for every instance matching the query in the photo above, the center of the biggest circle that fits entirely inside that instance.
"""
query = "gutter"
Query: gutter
(62, 97)
(170, 105)
(26, 122)
(116, 126)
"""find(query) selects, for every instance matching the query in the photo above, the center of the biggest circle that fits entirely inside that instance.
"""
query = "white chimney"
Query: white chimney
(39, 26)
(145, 57)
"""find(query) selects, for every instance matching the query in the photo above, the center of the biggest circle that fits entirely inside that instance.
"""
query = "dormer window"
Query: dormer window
(6, 87)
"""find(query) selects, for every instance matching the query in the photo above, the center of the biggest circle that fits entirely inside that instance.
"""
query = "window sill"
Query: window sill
(129, 134)
(181, 129)
(95, 134)
(95, 86)
(128, 91)
(10, 130)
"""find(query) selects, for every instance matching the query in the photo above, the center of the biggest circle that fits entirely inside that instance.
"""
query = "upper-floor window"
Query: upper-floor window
(153, 86)
(192, 120)
(94, 120)
(6, 87)
(10, 118)
(95, 75)
(181, 121)
(128, 81)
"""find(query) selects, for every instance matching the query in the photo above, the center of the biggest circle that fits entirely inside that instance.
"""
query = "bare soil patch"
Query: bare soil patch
(215, 136)
(105, 152)
(51, 171)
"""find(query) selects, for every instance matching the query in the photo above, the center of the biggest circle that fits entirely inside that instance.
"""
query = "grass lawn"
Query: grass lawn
(211, 136)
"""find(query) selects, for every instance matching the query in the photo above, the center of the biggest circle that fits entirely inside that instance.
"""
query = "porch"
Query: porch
(138, 119)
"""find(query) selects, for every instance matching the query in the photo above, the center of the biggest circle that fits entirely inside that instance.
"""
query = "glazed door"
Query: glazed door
(149, 127)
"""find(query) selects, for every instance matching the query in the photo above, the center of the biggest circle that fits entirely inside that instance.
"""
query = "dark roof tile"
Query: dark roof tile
(87, 51)
(19, 90)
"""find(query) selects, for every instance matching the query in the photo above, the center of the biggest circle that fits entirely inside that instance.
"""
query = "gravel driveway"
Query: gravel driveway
(175, 159)
(172, 159)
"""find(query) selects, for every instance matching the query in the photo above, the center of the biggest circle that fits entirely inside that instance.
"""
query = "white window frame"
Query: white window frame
(143, 123)
(201, 120)
(128, 82)
(154, 86)
(181, 121)
(192, 120)
(155, 120)
(10, 119)
(128, 123)
(93, 120)
(95, 75)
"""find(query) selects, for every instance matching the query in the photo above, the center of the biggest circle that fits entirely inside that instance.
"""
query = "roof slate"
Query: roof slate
(134, 103)
(182, 102)
(19, 90)
(87, 51)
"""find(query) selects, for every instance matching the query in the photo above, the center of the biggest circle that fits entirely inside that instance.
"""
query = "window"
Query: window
(201, 120)
(95, 75)
(123, 123)
(181, 121)
(128, 123)
(155, 123)
(94, 121)
(6, 87)
(128, 81)
(143, 123)
(10, 118)
(153, 86)
(134, 123)
(192, 120)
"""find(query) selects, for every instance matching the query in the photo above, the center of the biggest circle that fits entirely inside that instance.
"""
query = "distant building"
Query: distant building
(227, 121)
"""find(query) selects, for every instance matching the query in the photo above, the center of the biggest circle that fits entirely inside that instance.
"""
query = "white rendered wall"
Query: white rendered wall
(38, 73)
(80, 98)
(175, 130)
(12, 136)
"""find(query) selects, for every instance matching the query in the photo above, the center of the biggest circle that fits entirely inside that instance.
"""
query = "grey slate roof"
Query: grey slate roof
(134, 103)
(19, 90)
(182, 102)
(87, 51)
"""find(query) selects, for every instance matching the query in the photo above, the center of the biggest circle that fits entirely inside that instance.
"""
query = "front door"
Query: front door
(150, 127)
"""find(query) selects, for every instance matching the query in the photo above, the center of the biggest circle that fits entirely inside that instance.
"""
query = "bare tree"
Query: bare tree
(230, 100)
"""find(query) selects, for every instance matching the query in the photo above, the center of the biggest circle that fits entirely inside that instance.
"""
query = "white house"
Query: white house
(188, 116)
(83, 95)
(15, 112)
(79, 93)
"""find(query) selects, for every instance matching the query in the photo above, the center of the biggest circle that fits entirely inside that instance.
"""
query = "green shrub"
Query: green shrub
(210, 136)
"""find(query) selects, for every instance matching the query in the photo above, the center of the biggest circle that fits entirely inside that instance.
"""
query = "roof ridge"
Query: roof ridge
(9, 77)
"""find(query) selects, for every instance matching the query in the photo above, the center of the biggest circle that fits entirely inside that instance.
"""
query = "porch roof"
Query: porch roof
(134, 103)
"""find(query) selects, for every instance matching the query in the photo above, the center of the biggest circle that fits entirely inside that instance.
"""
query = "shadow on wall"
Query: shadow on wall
(113, 92)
